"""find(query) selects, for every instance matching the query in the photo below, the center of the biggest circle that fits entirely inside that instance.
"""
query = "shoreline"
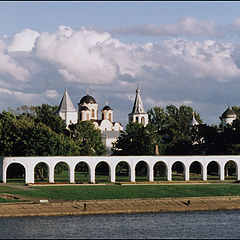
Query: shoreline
(119, 206)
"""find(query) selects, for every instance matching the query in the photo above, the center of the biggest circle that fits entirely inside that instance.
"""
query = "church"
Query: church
(88, 111)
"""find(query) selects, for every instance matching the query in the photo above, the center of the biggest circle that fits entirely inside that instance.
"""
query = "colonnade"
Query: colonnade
(29, 164)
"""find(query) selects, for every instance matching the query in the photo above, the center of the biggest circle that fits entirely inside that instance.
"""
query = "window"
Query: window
(93, 113)
(143, 120)
(110, 117)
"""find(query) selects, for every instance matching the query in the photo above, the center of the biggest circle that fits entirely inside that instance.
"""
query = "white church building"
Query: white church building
(88, 111)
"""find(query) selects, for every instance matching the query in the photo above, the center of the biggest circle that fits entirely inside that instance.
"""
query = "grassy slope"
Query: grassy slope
(132, 191)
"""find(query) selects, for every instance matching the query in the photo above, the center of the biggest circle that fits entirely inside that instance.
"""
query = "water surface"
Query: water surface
(191, 225)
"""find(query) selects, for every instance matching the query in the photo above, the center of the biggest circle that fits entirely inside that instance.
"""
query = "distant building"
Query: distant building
(66, 110)
(227, 117)
(193, 122)
(88, 111)
(138, 114)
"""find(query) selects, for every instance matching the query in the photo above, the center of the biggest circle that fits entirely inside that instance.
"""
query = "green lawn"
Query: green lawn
(127, 191)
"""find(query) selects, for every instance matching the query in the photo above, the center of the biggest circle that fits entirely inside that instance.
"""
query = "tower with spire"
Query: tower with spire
(66, 110)
(138, 114)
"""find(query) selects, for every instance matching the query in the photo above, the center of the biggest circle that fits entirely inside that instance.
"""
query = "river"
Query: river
(188, 225)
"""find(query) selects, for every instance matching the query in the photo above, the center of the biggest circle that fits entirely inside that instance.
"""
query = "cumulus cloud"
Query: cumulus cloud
(23, 41)
(35, 67)
(185, 26)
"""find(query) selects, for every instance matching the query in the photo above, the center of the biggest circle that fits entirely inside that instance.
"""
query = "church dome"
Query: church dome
(107, 108)
(229, 113)
(88, 99)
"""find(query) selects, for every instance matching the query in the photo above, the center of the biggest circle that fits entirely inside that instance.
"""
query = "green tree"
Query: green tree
(172, 127)
(48, 115)
(87, 138)
(136, 140)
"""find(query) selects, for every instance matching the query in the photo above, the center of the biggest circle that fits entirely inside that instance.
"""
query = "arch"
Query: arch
(230, 170)
(110, 117)
(213, 171)
(41, 172)
(93, 113)
(142, 171)
(61, 172)
(178, 171)
(15, 172)
(122, 172)
(160, 171)
(143, 120)
(102, 172)
(82, 172)
(195, 171)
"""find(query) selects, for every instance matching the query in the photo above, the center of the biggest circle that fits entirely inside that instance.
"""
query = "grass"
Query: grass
(128, 191)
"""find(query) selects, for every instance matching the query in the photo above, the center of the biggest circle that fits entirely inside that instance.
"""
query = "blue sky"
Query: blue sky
(179, 52)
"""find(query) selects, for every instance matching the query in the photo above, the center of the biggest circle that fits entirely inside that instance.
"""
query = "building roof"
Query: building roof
(66, 104)
(87, 99)
(107, 108)
(138, 105)
(229, 113)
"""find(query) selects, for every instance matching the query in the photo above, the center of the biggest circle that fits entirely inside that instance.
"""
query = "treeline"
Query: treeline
(38, 131)
(169, 133)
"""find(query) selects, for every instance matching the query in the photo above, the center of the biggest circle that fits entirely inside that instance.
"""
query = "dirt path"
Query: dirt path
(119, 206)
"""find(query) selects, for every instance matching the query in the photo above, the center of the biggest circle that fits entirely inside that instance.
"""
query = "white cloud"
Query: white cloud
(23, 41)
(9, 66)
(176, 71)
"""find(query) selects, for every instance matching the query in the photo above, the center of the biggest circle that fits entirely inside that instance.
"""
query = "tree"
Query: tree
(48, 115)
(87, 138)
(136, 140)
(172, 128)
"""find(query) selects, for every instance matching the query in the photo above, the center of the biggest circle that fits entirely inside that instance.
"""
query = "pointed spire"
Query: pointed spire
(193, 122)
(138, 105)
(66, 104)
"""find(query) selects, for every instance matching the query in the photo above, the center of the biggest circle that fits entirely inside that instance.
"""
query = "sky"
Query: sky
(180, 53)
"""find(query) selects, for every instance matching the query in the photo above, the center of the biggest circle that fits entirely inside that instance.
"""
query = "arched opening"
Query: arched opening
(82, 173)
(213, 171)
(41, 173)
(178, 171)
(160, 171)
(122, 172)
(88, 118)
(141, 172)
(16, 173)
(230, 170)
(93, 114)
(195, 171)
(110, 117)
(102, 171)
(136, 119)
(143, 120)
(61, 173)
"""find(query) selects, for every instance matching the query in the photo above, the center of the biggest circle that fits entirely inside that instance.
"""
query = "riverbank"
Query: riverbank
(116, 206)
